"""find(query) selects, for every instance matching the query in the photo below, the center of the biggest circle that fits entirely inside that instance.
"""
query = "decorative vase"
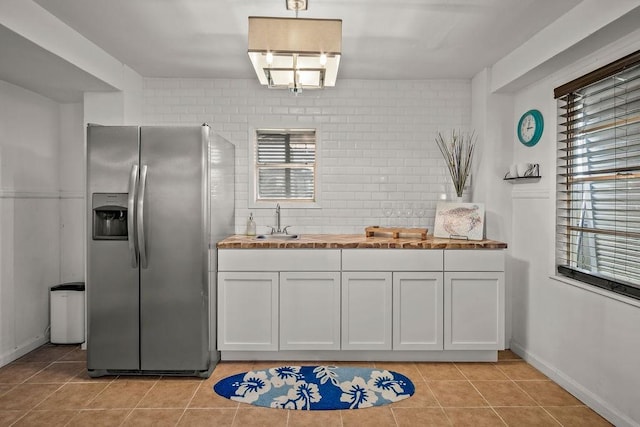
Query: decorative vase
(458, 155)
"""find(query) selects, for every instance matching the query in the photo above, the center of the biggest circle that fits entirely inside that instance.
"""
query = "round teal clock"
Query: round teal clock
(530, 127)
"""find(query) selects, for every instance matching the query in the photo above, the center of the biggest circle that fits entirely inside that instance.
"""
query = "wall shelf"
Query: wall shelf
(523, 179)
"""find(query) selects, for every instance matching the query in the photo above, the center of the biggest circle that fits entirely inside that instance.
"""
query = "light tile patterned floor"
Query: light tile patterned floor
(50, 387)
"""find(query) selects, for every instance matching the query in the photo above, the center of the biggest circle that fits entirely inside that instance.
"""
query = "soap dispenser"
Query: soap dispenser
(251, 226)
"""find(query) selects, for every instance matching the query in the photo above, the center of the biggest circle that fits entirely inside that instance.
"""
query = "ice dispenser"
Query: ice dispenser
(109, 216)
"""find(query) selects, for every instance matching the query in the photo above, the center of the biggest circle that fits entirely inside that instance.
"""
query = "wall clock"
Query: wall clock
(530, 127)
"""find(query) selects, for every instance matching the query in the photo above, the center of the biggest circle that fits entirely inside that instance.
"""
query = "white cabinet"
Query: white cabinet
(279, 260)
(278, 299)
(404, 300)
(392, 299)
(474, 305)
(391, 260)
(366, 310)
(310, 311)
(248, 311)
(417, 311)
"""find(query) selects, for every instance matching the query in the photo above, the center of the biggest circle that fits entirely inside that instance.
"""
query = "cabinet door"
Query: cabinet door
(309, 311)
(474, 310)
(366, 310)
(247, 311)
(417, 311)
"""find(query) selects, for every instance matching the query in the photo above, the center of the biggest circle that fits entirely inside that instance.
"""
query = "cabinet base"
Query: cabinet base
(366, 356)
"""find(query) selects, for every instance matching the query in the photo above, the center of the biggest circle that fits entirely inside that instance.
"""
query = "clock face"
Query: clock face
(530, 128)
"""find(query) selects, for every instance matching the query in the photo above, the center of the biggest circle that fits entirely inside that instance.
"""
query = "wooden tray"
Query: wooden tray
(395, 231)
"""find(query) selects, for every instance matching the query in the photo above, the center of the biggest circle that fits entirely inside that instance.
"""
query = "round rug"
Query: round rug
(316, 387)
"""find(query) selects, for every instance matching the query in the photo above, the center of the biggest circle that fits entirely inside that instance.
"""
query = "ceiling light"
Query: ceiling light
(295, 53)
(296, 5)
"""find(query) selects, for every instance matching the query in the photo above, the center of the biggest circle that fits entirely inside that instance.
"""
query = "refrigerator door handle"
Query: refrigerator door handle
(140, 216)
(133, 185)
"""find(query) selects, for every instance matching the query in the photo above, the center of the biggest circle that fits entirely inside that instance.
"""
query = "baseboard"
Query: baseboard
(21, 350)
(595, 402)
(364, 355)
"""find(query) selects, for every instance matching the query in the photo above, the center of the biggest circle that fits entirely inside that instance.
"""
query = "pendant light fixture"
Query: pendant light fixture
(295, 53)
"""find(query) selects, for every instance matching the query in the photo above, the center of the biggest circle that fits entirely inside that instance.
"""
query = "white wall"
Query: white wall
(491, 118)
(585, 339)
(377, 140)
(72, 186)
(29, 217)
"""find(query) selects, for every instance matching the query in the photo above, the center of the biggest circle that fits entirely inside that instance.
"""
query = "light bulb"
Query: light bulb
(269, 58)
(323, 59)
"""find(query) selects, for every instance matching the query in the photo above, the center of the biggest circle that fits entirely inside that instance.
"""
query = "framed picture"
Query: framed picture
(459, 220)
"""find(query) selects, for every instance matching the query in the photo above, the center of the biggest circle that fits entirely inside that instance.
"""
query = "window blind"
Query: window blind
(598, 204)
(285, 164)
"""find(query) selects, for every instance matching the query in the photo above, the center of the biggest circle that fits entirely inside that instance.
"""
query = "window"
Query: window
(598, 206)
(285, 165)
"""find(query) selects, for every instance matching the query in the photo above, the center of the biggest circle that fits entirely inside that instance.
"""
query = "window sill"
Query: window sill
(597, 290)
(283, 204)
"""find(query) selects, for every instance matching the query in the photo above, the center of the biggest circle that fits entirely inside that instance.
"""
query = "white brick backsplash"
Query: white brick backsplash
(377, 141)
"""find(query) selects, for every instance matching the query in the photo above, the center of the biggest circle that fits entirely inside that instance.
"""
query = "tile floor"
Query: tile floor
(50, 387)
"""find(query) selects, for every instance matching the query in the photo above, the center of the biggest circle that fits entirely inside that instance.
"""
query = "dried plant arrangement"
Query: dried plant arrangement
(458, 153)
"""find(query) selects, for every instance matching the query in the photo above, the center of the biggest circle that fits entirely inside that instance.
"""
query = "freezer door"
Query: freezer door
(173, 277)
(112, 282)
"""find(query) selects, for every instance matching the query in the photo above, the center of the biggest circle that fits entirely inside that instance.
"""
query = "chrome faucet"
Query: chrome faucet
(277, 229)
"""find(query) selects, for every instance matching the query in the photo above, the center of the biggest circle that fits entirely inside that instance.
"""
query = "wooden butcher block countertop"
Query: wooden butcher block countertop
(353, 241)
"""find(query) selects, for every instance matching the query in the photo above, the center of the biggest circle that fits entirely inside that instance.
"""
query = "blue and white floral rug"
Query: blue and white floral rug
(316, 387)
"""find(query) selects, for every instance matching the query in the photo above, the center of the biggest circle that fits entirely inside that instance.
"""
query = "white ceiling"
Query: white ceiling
(29, 66)
(382, 39)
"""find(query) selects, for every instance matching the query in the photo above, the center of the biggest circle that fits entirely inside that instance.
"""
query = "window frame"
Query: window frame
(568, 94)
(253, 202)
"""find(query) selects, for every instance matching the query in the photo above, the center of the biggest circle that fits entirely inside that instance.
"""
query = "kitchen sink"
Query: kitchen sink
(277, 236)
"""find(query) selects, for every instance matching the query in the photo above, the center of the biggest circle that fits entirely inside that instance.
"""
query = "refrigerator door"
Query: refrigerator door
(222, 193)
(174, 271)
(222, 189)
(112, 280)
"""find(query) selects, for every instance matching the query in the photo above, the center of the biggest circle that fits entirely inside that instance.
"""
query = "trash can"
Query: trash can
(67, 313)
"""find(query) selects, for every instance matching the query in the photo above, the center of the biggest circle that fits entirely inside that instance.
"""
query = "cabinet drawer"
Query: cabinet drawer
(474, 260)
(391, 260)
(278, 260)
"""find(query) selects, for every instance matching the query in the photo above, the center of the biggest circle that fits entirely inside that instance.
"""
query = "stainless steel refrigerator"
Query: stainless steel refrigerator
(158, 198)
